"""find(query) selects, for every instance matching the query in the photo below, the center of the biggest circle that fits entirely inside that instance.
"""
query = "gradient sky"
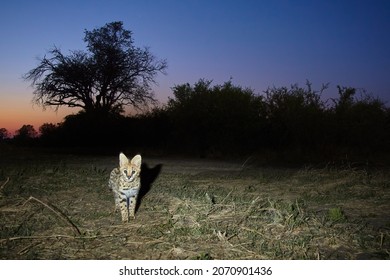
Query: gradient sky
(259, 44)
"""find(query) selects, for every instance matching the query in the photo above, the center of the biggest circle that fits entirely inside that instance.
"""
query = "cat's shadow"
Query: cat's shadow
(148, 176)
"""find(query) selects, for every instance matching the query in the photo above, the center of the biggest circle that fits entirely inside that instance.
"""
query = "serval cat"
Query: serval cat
(125, 183)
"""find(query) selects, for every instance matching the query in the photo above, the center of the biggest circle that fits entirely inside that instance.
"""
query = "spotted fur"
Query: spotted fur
(125, 183)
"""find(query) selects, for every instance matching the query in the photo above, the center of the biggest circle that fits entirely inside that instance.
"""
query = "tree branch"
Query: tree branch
(113, 74)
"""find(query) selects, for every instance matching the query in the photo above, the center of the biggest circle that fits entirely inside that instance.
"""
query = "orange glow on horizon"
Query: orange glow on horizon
(17, 112)
(17, 109)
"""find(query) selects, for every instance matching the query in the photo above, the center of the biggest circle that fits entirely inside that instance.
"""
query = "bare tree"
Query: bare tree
(110, 75)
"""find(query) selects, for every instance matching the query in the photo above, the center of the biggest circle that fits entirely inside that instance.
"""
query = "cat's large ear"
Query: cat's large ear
(137, 160)
(123, 160)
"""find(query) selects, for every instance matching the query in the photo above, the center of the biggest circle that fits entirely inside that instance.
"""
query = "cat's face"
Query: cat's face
(130, 169)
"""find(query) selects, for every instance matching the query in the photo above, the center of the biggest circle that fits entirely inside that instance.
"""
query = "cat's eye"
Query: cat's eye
(127, 173)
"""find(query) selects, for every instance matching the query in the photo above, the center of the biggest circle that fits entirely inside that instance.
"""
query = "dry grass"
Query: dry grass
(61, 208)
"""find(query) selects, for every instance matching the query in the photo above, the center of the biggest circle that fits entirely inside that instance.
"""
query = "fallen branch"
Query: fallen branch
(5, 183)
(25, 249)
(243, 165)
(56, 236)
(57, 212)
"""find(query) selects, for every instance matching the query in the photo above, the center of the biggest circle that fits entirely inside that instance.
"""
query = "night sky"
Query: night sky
(259, 44)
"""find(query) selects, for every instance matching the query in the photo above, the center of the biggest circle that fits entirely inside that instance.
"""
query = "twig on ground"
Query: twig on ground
(57, 212)
(56, 236)
(243, 165)
(223, 200)
(5, 183)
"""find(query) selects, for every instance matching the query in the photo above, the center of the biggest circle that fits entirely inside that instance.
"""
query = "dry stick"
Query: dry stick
(213, 208)
(57, 212)
(247, 212)
(5, 183)
(25, 249)
(242, 166)
(223, 200)
(53, 236)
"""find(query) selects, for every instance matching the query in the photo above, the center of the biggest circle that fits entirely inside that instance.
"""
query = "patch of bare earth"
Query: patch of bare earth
(192, 209)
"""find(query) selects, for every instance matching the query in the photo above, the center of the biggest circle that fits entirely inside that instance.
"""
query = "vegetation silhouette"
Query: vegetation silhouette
(209, 120)
(4, 134)
(284, 124)
(25, 135)
(109, 76)
(288, 125)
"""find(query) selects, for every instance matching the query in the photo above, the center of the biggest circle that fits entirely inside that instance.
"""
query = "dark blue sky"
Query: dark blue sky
(259, 44)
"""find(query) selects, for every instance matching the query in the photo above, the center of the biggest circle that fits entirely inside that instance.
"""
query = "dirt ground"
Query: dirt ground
(60, 207)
